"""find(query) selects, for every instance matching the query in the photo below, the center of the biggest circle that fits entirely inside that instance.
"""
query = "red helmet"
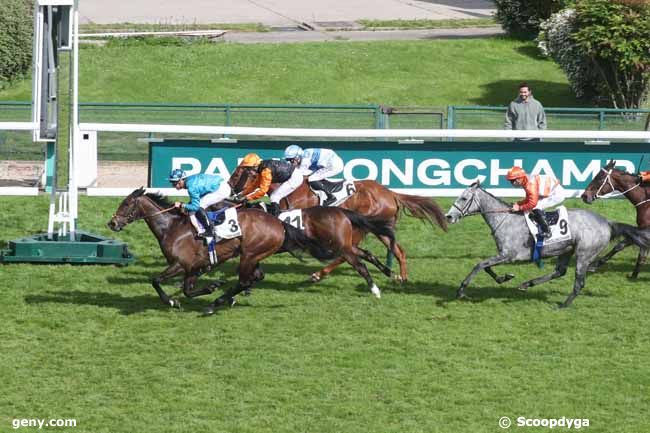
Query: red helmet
(515, 173)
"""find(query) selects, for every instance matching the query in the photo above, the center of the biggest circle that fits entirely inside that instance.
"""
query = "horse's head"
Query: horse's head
(601, 183)
(465, 205)
(128, 211)
(243, 179)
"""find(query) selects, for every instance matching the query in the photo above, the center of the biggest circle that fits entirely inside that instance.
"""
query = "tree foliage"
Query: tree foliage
(615, 38)
(522, 18)
(15, 39)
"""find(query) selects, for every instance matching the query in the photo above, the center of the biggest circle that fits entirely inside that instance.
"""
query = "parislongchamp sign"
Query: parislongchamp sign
(430, 168)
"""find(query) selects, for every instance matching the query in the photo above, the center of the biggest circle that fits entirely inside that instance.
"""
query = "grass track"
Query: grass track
(94, 343)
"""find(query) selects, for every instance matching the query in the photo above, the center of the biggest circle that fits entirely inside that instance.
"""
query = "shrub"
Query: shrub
(16, 32)
(615, 37)
(556, 40)
(522, 18)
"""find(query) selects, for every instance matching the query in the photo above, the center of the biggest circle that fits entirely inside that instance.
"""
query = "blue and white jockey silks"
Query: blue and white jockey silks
(205, 190)
(320, 164)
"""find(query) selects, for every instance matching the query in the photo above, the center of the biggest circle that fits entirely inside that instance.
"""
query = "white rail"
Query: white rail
(18, 126)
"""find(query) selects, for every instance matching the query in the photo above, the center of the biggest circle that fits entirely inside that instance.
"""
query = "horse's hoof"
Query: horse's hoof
(175, 303)
(315, 277)
(462, 297)
(215, 285)
(375, 291)
(399, 279)
(233, 301)
(503, 278)
(210, 310)
(246, 292)
(524, 287)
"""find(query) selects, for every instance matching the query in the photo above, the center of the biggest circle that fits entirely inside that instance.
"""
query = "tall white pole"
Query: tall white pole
(74, 124)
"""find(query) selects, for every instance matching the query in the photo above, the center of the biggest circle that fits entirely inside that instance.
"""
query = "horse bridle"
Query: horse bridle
(608, 181)
(131, 218)
(463, 211)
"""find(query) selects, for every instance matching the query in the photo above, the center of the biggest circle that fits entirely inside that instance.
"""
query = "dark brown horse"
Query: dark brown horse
(609, 180)
(329, 226)
(371, 200)
(262, 236)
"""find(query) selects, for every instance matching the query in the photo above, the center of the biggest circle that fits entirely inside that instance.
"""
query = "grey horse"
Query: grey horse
(590, 234)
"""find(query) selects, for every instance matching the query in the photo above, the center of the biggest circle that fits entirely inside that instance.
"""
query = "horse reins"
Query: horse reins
(608, 180)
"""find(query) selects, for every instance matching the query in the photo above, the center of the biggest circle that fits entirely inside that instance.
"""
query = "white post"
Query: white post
(74, 123)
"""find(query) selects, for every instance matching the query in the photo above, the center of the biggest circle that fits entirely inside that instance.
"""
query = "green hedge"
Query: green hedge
(522, 18)
(16, 30)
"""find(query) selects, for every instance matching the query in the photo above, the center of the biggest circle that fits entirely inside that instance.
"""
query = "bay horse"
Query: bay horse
(371, 199)
(262, 236)
(609, 180)
(590, 234)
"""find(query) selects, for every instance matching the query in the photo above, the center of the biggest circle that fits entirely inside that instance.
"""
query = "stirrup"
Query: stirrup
(328, 201)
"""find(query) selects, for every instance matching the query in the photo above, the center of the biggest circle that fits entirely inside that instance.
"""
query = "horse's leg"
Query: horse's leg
(171, 271)
(640, 261)
(247, 268)
(499, 278)
(400, 254)
(352, 257)
(258, 275)
(496, 260)
(560, 271)
(582, 264)
(317, 276)
(624, 243)
(369, 257)
(192, 292)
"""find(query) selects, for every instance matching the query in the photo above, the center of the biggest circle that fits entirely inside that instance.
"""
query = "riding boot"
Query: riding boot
(202, 216)
(540, 218)
(317, 184)
(273, 209)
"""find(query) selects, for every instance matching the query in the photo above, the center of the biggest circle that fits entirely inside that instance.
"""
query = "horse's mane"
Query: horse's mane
(493, 196)
(159, 199)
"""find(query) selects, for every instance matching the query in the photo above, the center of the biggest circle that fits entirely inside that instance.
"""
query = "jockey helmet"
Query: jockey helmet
(292, 152)
(251, 160)
(176, 175)
(515, 173)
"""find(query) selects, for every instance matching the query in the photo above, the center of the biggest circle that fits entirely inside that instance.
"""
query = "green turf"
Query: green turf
(94, 343)
(407, 73)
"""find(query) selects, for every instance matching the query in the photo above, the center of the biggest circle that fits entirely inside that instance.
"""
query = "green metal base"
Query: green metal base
(88, 248)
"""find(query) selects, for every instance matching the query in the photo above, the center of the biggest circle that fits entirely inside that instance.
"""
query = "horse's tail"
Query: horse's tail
(376, 226)
(423, 208)
(640, 237)
(295, 239)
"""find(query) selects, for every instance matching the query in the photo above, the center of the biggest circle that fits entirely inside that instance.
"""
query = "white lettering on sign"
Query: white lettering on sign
(496, 172)
(388, 167)
(434, 171)
(182, 163)
(217, 166)
(543, 167)
(459, 171)
(441, 177)
(368, 163)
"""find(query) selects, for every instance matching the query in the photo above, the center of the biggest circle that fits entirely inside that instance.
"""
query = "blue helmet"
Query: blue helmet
(293, 151)
(176, 175)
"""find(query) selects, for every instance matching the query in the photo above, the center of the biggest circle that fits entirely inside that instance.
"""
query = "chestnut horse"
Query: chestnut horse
(262, 236)
(371, 200)
(609, 180)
